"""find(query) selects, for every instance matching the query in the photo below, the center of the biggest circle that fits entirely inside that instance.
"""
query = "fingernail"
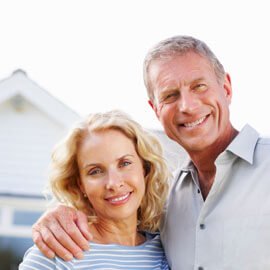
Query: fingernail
(86, 247)
(68, 257)
(79, 255)
(51, 255)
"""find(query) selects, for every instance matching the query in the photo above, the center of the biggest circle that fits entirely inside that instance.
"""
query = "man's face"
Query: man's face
(190, 103)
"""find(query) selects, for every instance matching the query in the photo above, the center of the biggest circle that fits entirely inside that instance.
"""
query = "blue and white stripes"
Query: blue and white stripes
(149, 255)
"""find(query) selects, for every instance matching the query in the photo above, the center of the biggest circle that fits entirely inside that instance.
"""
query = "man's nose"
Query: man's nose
(187, 103)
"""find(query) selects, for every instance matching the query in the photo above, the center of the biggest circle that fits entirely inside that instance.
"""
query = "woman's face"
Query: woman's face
(111, 175)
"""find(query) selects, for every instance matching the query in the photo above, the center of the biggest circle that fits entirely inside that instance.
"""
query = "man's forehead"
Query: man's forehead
(187, 63)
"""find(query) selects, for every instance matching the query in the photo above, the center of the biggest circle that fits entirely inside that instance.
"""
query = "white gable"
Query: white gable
(20, 84)
(31, 122)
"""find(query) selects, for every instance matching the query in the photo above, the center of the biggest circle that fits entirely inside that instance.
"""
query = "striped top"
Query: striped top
(149, 255)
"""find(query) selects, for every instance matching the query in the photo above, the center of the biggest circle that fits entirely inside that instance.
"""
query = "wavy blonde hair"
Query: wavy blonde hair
(64, 171)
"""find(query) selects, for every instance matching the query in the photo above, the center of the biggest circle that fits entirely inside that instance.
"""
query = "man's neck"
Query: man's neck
(204, 161)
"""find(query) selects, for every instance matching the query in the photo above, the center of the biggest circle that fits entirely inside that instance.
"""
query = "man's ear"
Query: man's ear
(151, 103)
(228, 87)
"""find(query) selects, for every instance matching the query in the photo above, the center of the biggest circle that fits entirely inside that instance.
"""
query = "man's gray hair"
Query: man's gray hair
(179, 45)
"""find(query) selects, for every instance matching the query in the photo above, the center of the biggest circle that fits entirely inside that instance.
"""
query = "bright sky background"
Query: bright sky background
(89, 53)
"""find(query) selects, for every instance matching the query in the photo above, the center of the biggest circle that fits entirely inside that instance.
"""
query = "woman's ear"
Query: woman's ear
(80, 185)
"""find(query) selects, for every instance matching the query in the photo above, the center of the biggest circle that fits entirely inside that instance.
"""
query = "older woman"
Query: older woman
(113, 170)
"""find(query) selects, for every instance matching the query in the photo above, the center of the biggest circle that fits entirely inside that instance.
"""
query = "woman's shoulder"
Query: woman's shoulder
(34, 259)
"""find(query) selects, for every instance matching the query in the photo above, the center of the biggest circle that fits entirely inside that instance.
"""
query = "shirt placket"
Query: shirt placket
(205, 231)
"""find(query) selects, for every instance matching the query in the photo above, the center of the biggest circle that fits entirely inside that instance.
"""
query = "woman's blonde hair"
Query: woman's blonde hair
(64, 172)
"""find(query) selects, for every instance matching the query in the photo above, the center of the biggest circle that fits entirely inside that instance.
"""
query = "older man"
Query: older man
(218, 211)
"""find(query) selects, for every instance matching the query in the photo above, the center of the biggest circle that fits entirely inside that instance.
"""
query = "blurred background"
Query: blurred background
(61, 60)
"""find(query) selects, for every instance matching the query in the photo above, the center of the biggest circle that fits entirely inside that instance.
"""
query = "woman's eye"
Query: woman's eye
(125, 163)
(94, 172)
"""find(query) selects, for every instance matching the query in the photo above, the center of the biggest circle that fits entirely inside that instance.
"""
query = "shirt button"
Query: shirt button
(198, 191)
(202, 226)
(200, 268)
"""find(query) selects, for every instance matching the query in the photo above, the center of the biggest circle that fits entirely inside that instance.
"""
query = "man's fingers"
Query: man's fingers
(53, 243)
(71, 237)
(58, 232)
(37, 238)
(82, 224)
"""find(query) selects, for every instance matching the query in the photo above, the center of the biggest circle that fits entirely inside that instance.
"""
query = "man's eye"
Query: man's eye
(95, 171)
(170, 97)
(200, 87)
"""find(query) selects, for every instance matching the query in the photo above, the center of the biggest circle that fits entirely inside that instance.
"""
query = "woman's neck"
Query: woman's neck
(120, 233)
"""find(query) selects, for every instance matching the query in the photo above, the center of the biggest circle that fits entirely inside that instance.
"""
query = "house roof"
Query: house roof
(20, 85)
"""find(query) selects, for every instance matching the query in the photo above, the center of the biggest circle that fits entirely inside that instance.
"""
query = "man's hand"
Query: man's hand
(62, 231)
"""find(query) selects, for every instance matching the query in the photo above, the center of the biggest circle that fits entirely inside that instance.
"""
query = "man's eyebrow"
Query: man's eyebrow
(197, 80)
(168, 89)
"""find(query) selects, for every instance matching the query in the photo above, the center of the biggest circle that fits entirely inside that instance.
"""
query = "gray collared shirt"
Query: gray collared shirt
(231, 228)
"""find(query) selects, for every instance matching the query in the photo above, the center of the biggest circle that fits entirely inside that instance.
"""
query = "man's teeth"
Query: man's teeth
(195, 123)
(120, 198)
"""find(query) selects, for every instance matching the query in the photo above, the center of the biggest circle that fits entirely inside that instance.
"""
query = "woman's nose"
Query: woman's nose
(114, 179)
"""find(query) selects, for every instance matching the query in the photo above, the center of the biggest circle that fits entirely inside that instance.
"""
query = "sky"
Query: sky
(89, 53)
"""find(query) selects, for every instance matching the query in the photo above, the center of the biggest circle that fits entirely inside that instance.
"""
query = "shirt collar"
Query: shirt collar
(244, 143)
(243, 146)
(187, 165)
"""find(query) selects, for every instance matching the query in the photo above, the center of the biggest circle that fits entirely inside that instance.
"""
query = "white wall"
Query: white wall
(26, 140)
